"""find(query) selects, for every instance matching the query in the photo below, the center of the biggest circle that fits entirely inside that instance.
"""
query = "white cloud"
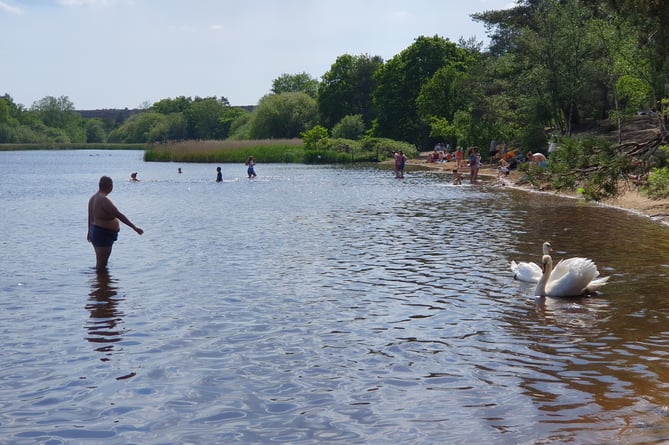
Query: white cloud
(10, 9)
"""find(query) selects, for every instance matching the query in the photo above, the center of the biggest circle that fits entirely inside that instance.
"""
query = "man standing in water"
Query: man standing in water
(103, 223)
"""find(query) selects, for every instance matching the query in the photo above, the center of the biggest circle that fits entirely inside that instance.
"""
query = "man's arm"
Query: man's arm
(111, 209)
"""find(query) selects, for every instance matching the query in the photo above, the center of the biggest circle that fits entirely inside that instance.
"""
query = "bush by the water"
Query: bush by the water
(593, 165)
(657, 186)
(346, 151)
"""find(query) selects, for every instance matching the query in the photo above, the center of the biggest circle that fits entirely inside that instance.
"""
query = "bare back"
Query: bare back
(102, 212)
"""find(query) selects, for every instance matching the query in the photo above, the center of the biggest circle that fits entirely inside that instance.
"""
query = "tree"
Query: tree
(648, 22)
(440, 95)
(227, 119)
(559, 62)
(284, 115)
(95, 130)
(168, 106)
(204, 119)
(347, 89)
(59, 113)
(400, 81)
(349, 127)
(295, 83)
(315, 138)
(138, 128)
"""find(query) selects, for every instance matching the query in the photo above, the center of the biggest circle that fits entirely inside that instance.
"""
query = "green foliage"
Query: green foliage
(534, 174)
(400, 82)
(228, 118)
(240, 128)
(533, 138)
(349, 127)
(295, 83)
(657, 185)
(440, 128)
(321, 150)
(384, 147)
(440, 95)
(179, 104)
(283, 116)
(138, 128)
(347, 88)
(316, 138)
(62, 122)
(204, 119)
(591, 164)
(634, 94)
(95, 131)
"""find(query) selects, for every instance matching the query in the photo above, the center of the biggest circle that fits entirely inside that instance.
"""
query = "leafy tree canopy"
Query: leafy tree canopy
(295, 83)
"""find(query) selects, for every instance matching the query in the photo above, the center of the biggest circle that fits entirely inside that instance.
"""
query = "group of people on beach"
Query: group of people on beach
(499, 154)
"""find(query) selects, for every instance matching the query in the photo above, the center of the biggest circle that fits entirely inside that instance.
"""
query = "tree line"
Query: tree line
(552, 67)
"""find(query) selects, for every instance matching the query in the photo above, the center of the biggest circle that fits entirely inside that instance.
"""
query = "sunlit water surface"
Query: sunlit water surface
(319, 305)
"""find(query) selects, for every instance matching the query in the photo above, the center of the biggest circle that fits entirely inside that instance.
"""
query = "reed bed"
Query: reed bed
(265, 150)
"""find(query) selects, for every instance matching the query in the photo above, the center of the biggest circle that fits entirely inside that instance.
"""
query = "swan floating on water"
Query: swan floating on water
(571, 278)
(529, 272)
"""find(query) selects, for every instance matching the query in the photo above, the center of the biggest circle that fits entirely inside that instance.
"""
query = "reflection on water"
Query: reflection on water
(103, 326)
(321, 305)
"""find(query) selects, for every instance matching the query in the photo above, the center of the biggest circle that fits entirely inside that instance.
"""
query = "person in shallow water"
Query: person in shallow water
(103, 223)
(219, 175)
(250, 163)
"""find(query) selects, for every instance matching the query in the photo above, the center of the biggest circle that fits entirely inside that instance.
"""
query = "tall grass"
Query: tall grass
(266, 150)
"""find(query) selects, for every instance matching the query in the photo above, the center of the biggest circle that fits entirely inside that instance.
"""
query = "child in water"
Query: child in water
(250, 163)
(457, 177)
(219, 175)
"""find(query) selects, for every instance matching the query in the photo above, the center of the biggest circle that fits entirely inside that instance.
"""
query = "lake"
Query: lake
(319, 304)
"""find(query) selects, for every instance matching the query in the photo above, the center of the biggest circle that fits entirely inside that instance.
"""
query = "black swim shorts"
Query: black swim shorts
(101, 237)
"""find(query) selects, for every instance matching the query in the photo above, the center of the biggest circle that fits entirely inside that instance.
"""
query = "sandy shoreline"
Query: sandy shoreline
(631, 200)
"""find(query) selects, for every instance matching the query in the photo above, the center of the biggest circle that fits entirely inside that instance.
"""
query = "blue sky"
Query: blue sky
(126, 53)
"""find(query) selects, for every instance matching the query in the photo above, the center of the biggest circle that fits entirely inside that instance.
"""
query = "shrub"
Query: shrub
(657, 185)
(349, 127)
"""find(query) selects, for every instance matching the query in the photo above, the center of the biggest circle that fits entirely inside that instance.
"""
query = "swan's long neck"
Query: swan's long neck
(546, 248)
(547, 266)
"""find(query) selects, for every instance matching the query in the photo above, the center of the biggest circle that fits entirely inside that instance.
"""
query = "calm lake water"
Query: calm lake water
(319, 305)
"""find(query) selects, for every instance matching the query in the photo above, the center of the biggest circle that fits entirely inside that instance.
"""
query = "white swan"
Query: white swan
(529, 272)
(571, 278)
